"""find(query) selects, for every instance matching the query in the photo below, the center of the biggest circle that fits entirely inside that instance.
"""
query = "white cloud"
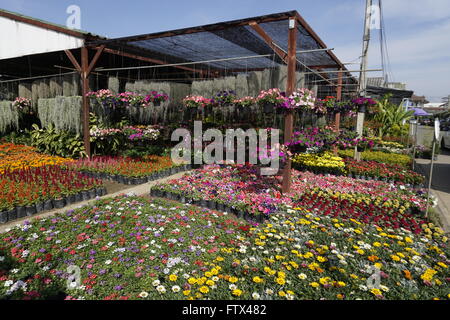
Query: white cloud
(418, 10)
(422, 59)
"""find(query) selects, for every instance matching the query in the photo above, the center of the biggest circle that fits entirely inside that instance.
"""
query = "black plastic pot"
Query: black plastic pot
(39, 207)
(98, 192)
(120, 179)
(203, 203)
(78, 197)
(4, 216)
(92, 193)
(58, 203)
(212, 204)
(70, 199)
(30, 210)
(12, 214)
(21, 212)
(156, 103)
(220, 207)
(85, 195)
(268, 107)
(362, 109)
(48, 205)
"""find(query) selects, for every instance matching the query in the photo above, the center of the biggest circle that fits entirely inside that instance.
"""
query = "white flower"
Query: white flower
(143, 294)
(256, 296)
(8, 283)
(108, 262)
(156, 283)
(176, 289)
(302, 276)
(14, 270)
(269, 291)
(384, 288)
(161, 289)
(232, 286)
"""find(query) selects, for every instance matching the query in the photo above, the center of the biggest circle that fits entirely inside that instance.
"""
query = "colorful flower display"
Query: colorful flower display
(383, 171)
(14, 157)
(242, 188)
(25, 187)
(402, 160)
(320, 162)
(22, 104)
(123, 166)
(135, 248)
(196, 101)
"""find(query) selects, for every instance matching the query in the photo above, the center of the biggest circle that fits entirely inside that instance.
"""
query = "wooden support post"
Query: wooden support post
(290, 87)
(85, 69)
(85, 90)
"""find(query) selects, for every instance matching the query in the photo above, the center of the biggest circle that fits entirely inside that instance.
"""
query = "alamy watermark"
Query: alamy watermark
(230, 148)
(74, 19)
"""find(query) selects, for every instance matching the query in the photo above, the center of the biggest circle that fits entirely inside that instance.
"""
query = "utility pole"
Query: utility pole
(362, 73)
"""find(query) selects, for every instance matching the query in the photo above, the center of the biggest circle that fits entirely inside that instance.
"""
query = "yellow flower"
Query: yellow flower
(204, 289)
(282, 294)
(257, 279)
(233, 279)
(209, 283)
(280, 281)
(208, 274)
(187, 292)
(219, 259)
(236, 292)
(173, 277)
(321, 259)
(192, 280)
(376, 292)
(314, 284)
(394, 257)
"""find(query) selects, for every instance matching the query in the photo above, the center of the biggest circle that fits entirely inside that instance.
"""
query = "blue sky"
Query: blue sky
(417, 30)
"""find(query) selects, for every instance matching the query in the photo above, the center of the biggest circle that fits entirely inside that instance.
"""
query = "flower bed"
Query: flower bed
(242, 188)
(381, 157)
(383, 171)
(28, 191)
(326, 162)
(133, 248)
(15, 157)
(128, 170)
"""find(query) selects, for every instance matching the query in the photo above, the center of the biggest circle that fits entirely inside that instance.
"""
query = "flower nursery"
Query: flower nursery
(89, 180)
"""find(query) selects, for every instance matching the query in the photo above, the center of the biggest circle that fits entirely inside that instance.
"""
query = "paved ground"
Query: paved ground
(440, 184)
(142, 189)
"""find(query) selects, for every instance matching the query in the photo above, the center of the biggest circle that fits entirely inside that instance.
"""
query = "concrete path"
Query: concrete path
(440, 185)
(139, 190)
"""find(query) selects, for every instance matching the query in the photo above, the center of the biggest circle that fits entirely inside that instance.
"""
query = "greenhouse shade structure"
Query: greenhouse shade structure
(217, 49)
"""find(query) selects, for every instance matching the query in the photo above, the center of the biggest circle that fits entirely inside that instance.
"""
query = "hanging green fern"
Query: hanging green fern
(9, 117)
(64, 113)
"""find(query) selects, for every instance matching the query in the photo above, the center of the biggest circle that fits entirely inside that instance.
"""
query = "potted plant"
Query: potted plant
(243, 103)
(269, 99)
(301, 99)
(362, 104)
(156, 98)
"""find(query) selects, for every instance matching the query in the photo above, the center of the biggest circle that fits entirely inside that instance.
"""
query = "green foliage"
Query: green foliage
(18, 137)
(391, 118)
(53, 142)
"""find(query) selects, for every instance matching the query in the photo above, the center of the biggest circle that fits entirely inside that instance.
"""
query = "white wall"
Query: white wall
(20, 39)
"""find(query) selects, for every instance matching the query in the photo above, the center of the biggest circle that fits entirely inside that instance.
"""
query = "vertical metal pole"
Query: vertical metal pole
(290, 87)
(430, 178)
(362, 74)
(85, 90)
(365, 50)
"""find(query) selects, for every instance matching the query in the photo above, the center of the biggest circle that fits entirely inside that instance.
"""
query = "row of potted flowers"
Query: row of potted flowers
(26, 192)
(138, 249)
(15, 157)
(106, 97)
(128, 170)
(301, 99)
(241, 188)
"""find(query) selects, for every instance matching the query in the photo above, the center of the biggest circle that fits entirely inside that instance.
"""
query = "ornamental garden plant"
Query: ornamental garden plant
(136, 248)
